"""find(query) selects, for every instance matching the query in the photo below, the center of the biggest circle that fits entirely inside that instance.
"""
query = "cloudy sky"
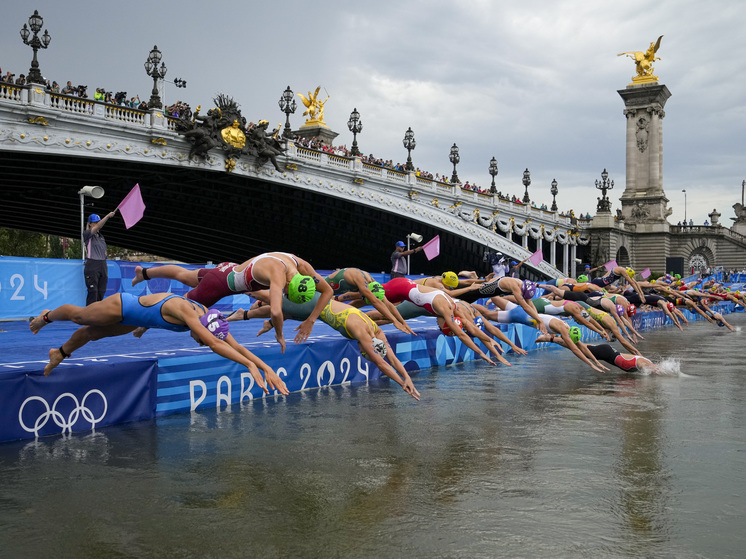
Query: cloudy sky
(532, 83)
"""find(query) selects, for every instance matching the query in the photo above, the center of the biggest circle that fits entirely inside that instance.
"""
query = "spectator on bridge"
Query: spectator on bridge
(691, 222)
(707, 223)
(398, 262)
(21, 80)
(68, 89)
(55, 87)
(94, 270)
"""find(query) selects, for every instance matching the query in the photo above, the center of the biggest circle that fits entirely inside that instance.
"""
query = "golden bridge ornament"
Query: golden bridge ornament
(644, 63)
(314, 108)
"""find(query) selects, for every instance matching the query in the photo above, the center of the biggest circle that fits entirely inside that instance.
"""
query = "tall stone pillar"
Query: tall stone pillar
(644, 203)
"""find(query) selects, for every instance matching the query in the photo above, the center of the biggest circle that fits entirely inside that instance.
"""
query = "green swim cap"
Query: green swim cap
(377, 290)
(301, 288)
(582, 278)
(575, 334)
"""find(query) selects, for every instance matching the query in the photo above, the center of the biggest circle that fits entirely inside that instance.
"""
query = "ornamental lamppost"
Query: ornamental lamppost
(604, 204)
(454, 158)
(409, 144)
(493, 172)
(151, 67)
(35, 22)
(526, 183)
(287, 105)
(554, 190)
(356, 126)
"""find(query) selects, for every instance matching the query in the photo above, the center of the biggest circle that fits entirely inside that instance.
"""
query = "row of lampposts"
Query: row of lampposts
(156, 69)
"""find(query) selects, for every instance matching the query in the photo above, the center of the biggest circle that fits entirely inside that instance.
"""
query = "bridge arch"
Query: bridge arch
(700, 258)
(622, 257)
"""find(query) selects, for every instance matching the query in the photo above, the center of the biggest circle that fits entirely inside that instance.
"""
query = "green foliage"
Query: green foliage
(14, 242)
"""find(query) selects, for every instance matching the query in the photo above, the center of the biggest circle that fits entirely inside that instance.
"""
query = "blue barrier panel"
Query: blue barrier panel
(30, 285)
(93, 395)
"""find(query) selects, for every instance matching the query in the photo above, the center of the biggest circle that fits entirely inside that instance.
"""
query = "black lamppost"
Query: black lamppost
(151, 67)
(409, 144)
(493, 172)
(287, 105)
(356, 126)
(454, 158)
(526, 183)
(604, 204)
(554, 190)
(35, 22)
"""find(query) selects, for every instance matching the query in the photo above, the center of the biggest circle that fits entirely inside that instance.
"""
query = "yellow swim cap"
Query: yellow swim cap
(631, 272)
(449, 279)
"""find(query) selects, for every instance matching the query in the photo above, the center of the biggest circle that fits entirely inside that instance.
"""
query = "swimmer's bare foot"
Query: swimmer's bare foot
(265, 328)
(55, 358)
(39, 322)
(236, 315)
(138, 276)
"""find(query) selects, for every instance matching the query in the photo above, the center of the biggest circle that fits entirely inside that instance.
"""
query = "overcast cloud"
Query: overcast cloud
(532, 83)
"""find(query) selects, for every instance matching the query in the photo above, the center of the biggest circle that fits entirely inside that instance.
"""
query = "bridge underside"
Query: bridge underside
(198, 216)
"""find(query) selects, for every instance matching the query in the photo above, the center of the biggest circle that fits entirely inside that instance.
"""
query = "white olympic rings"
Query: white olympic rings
(58, 418)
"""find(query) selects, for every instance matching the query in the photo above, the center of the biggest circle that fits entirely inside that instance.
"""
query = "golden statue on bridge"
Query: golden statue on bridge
(644, 63)
(314, 108)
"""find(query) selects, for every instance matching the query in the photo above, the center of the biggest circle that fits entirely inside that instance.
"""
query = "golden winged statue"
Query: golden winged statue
(644, 62)
(314, 108)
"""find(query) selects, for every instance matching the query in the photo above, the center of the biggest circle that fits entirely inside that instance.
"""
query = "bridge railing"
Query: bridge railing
(713, 229)
(11, 92)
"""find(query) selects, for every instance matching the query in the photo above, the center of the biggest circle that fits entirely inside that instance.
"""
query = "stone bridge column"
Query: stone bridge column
(644, 202)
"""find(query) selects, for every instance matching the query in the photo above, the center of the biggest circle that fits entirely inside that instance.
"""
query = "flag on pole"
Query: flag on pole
(536, 258)
(432, 247)
(132, 207)
(645, 273)
(610, 265)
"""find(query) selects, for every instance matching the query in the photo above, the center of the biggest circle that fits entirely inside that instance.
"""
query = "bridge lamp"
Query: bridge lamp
(604, 204)
(287, 105)
(493, 172)
(454, 158)
(684, 191)
(151, 67)
(409, 144)
(554, 190)
(417, 239)
(526, 183)
(35, 22)
(93, 192)
(355, 126)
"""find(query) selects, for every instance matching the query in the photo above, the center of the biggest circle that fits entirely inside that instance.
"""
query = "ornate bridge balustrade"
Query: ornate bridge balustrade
(32, 119)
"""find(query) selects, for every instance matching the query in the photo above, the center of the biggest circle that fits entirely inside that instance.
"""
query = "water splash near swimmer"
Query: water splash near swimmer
(668, 367)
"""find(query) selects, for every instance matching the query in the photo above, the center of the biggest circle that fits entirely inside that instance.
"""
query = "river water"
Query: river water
(543, 459)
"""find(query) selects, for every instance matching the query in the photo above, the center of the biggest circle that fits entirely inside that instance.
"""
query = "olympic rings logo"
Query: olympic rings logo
(66, 423)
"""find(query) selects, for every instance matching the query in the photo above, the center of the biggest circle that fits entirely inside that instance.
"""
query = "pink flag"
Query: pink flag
(132, 207)
(645, 273)
(536, 258)
(432, 247)
(610, 265)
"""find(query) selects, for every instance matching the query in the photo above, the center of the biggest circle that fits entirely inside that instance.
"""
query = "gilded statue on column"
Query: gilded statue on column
(644, 62)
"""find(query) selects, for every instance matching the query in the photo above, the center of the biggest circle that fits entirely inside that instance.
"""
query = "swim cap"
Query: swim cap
(479, 323)
(632, 310)
(669, 306)
(528, 289)
(575, 334)
(631, 272)
(216, 323)
(450, 279)
(93, 218)
(584, 314)
(378, 344)
(721, 323)
(560, 282)
(677, 276)
(301, 288)
(446, 329)
(377, 290)
(620, 310)
(582, 278)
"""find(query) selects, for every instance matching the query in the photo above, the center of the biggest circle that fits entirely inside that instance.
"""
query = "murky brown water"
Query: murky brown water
(544, 459)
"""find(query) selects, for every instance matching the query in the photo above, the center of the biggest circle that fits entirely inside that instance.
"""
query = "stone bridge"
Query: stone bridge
(329, 209)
